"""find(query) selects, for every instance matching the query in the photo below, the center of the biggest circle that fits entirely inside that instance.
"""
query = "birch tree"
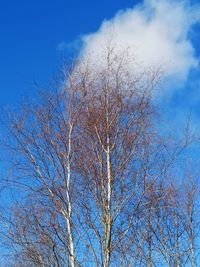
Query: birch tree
(91, 160)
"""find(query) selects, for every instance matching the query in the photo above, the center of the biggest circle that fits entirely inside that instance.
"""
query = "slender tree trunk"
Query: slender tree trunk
(178, 257)
(71, 242)
(191, 238)
(150, 264)
(69, 221)
(108, 208)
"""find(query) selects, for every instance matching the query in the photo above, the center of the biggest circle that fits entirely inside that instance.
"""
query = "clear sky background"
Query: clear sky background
(30, 35)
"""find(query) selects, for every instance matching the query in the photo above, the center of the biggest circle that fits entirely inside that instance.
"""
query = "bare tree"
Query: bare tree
(190, 208)
(92, 164)
(120, 156)
(43, 137)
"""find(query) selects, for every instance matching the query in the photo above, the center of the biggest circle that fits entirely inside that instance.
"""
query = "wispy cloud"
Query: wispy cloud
(68, 47)
(156, 31)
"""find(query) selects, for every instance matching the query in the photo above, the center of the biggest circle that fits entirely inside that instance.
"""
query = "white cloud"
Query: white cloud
(156, 31)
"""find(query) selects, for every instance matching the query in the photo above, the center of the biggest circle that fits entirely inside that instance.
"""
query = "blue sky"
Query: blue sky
(30, 33)
(35, 35)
